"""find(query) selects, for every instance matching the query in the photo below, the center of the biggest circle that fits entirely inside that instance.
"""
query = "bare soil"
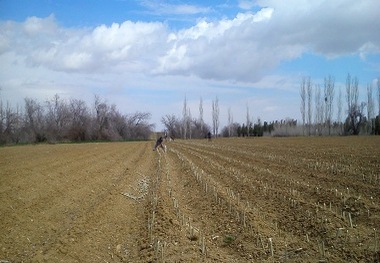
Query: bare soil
(225, 200)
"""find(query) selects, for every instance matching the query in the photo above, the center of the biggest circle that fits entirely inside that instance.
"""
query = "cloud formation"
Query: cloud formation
(238, 49)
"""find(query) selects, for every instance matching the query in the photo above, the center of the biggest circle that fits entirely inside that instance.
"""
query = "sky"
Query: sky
(150, 55)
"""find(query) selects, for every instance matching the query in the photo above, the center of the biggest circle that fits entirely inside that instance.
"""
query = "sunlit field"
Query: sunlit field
(226, 200)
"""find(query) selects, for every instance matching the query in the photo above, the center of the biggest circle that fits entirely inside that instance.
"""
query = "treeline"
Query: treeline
(325, 110)
(189, 127)
(58, 120)
(257, 129)
(353, 116)
(194, 128)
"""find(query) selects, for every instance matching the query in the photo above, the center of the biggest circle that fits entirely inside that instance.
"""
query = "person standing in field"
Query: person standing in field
(160, 143)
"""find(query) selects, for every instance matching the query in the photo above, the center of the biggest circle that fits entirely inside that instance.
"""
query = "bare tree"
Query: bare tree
(138, 126)
(319, 109)
(18, 125)
(230, 122)
(201, 113)
(377, 119)
(303, 103)
(10, 124)
(10, 120)
(329, 91)
(80, 120)
(309, 90)
(101, 119)
(339, 117)
(172, 125)
(378, 94)
(57, 118)
(189, 122)
(231, 130)
(355, 116)
(2, 122)
(352, 92)
(215, 116)
(248, 120)
(118, 125)
(370, 107)
(34, 121)
(184, 115)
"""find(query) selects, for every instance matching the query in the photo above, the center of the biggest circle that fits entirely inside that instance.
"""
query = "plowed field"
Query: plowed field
(226, 200)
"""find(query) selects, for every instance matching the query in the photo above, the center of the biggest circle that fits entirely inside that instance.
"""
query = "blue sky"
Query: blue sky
(148, 55)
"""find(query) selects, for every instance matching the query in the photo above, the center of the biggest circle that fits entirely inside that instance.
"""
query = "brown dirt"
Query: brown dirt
(228, 200)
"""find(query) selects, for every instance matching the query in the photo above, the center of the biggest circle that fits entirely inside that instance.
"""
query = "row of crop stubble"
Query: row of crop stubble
(300, 202)
(228, 200)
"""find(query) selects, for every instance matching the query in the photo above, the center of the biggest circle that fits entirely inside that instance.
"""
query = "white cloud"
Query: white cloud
(241, 49)
(245, 47)
(127, 46)
(368, 48)
(217, 50)
(35, 26)
(331, 28)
